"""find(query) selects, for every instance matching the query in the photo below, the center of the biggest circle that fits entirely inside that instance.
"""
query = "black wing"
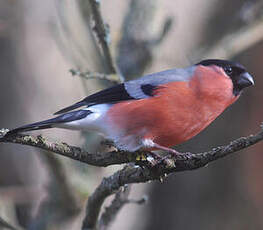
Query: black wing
(110, 95)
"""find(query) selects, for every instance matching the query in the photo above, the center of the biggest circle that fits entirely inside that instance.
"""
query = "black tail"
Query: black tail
(67, 117)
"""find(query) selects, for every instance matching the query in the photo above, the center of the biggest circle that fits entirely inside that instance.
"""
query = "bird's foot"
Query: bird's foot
(171, 151)
(155, 159)
(141, 156)
(148, 157)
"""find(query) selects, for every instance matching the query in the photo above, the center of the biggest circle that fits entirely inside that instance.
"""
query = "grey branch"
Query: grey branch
(130, 174)
(120, 199)
(111, 211)
(103, 35)
(114, 78)
(73, 152)
(187, 162)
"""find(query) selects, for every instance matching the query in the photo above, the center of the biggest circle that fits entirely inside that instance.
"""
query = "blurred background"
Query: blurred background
(40, 41)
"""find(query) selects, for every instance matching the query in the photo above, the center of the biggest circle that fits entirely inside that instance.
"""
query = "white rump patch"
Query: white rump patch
(94, 121)
(148, 143)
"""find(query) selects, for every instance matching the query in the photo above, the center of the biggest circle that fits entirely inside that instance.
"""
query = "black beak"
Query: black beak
(245, 80)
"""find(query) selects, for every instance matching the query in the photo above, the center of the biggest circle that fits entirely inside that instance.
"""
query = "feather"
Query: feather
(111, 95)
(67, 117)
(131, 90)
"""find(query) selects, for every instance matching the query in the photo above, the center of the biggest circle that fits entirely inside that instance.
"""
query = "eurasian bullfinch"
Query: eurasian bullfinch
(156, 111)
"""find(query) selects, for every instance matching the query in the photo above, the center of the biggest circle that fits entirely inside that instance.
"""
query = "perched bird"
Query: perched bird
(156, 111)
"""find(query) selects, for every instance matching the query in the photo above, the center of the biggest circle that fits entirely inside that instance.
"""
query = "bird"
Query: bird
(157, 111)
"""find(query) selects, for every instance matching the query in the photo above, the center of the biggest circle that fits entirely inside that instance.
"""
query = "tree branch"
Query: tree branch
(73, 152)
(111, 211)
(187, 162)
(130, 174)
(134, 174)
(114, 78)
(120, 199)
(103, 35)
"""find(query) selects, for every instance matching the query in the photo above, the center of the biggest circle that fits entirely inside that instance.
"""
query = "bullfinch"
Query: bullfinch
(156, 111)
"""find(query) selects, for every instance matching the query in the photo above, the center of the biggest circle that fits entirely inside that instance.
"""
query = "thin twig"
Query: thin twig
(111, 211)
(120, 199)
(143, 200)
(103, 35)
(114, 78)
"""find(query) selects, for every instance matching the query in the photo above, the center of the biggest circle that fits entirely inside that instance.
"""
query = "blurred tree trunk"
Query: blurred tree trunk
(18, 168)
(252, 164)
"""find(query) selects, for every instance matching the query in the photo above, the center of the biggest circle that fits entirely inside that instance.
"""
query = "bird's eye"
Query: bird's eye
(228, 70)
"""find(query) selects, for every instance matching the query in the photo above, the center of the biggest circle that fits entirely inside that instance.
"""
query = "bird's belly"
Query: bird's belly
(180, 129)
(132, 122)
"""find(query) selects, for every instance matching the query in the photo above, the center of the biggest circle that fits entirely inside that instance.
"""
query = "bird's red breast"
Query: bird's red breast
(178, 110)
